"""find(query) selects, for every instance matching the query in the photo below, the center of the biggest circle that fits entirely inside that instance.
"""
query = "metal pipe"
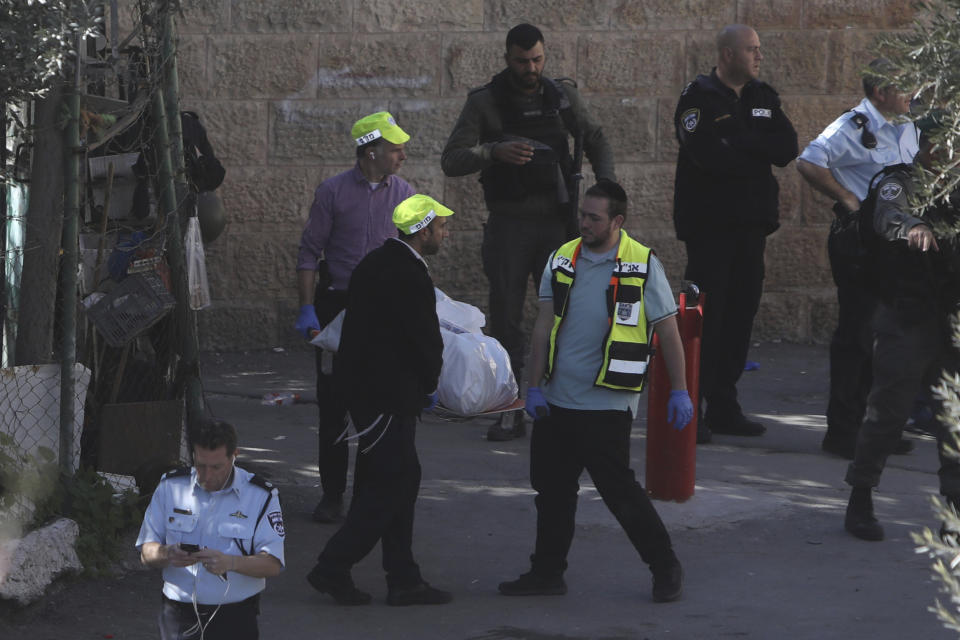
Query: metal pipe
(190, 348)
(175, 257)
(68, 267)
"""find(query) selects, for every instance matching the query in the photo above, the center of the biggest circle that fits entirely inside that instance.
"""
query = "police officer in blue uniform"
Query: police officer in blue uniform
(840, 163)
(731, 129)
(217, 533)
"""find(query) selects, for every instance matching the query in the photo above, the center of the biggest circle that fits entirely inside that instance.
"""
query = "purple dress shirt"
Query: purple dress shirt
(347, 220)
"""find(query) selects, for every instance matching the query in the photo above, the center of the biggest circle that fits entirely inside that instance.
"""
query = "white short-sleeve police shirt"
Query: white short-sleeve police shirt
(840, 148)
(181, 511)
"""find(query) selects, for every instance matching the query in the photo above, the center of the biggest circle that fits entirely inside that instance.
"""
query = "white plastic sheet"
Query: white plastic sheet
(456, 316)
(329, 337)
(476, 374)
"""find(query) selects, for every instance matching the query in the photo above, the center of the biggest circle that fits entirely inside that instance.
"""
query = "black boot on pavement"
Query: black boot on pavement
(667, 582)
(329, 510)
(534, 584)
(509, 426)
(342, 590)
(903, 447)
(859, 520)
(422, 593)
(839, 446)
(735, 425)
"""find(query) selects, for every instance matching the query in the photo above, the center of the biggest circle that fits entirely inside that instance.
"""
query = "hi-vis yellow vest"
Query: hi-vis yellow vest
(625, 349)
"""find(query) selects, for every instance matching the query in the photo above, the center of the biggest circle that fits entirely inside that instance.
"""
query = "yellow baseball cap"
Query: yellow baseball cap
(378, 125)
(416, 212)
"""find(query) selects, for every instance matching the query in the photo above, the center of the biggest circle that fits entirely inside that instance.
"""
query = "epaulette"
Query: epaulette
(566, 80)
(263, 483)
(176, 472)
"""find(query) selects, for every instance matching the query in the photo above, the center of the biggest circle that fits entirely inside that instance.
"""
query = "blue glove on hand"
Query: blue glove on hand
(432, 400)
(536, 405)
(679, 409)
(307, 321)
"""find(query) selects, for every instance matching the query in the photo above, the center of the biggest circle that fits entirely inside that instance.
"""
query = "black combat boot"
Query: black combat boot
(859, 520)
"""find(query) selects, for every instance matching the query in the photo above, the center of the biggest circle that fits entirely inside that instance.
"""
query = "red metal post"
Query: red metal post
(671, 454)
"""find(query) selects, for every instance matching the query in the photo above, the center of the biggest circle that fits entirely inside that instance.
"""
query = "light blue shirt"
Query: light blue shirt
(840, 149)
(183, 511)
(585, 325)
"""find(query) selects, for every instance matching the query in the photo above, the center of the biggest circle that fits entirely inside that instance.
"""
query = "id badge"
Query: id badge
(628, 313)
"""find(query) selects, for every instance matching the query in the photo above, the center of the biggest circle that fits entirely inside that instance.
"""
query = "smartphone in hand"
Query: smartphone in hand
(189, 548)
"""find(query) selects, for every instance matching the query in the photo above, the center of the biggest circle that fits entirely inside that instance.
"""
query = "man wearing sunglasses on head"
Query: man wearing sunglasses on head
(840, 163)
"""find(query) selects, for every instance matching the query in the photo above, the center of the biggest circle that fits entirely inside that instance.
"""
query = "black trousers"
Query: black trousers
(729, 269)
(911, 348)
(385, 488)
(564, 444)
(236, 621)
(513, 251)
(332, 456)
(851, 348)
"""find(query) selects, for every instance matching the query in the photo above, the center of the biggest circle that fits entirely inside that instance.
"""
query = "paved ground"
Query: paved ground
(762, 541)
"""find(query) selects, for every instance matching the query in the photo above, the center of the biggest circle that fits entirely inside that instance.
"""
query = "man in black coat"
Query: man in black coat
(387, 370)
(731, 129)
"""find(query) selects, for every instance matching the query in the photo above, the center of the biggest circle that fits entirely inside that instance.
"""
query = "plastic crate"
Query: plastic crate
(137, 303)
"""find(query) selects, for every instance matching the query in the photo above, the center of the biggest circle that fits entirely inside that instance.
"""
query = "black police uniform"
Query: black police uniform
(726, 202)
(917, 292)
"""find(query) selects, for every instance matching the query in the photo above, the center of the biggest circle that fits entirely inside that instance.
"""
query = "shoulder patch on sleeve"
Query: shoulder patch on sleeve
(689, 119)
(890, 191)
(275, 518)
(565, 80)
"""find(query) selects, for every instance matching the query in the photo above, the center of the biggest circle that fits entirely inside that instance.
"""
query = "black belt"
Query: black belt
(251, 602)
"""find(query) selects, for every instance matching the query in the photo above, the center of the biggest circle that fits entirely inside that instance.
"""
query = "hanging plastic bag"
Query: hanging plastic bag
(197, 284)
(476, 374)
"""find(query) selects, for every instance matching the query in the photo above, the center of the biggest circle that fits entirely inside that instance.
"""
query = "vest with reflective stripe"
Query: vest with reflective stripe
(625, 349)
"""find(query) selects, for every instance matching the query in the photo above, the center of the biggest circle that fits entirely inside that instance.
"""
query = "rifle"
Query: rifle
(573, 189)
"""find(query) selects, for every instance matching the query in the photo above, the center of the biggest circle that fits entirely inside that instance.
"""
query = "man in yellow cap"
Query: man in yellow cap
(386, 371)
(349, 218)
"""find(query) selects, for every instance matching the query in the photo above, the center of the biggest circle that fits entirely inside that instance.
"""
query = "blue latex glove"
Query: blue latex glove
(679, 409)
(432, 400)
(307, 321)
(536, 405)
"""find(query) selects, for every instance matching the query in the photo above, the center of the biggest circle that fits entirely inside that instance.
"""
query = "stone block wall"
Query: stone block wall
(278, 84)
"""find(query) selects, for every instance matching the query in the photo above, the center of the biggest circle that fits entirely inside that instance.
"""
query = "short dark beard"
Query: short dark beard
(519, 81)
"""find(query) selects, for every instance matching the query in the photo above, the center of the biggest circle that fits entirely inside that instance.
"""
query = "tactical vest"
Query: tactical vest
(626, 351)
(548, 125)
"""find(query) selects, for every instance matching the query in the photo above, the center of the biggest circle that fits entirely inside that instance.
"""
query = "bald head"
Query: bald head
(738, 55)
(731, 35)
